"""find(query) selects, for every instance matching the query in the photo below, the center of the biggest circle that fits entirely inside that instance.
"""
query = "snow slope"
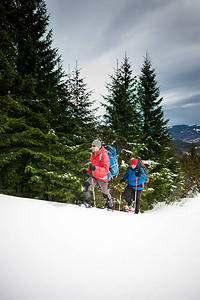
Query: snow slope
(52, 251)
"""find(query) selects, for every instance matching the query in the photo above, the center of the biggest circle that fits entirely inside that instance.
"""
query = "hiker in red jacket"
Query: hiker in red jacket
(100, 174)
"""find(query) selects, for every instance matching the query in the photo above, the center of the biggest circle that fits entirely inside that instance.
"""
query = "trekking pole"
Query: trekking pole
(120, 197)
(135, 192)
(93, 193)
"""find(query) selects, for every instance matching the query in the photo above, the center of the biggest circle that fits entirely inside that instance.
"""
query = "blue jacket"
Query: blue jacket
(130, 175)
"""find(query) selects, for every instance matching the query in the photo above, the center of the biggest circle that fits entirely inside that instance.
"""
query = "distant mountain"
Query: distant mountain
(183, 136)
(183, 147)
(186, 133)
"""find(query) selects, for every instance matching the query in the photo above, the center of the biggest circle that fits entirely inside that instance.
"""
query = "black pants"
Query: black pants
(127, 196)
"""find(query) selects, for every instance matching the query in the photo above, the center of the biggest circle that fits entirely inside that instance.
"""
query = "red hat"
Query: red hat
(134, 161)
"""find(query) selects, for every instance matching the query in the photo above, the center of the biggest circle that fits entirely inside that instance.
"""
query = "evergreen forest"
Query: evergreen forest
(47, 119)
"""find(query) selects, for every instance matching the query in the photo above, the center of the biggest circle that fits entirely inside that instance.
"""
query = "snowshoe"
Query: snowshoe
(128, 208)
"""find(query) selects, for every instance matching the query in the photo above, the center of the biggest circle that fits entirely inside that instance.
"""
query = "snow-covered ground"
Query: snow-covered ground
(52, 251)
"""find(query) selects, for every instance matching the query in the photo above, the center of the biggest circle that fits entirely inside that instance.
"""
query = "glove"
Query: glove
(122, 180)
(84, 171)
(137, 173)
(92, 168)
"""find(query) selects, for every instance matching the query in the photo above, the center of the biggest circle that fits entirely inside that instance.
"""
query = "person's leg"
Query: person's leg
(90, 182)
(127, 195)
(105, 188)
(137, 200)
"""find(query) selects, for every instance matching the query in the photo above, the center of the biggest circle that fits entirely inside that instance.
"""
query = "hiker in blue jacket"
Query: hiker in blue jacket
(136, 178)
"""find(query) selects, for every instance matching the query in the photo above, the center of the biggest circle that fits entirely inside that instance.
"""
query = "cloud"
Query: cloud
(182, 109)
(183, 115)
(97, 33)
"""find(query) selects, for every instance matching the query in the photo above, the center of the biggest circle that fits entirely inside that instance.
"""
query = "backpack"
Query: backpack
(145, 170)
(114, 169)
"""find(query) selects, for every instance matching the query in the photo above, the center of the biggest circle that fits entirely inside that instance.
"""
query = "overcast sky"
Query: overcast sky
(98, 32)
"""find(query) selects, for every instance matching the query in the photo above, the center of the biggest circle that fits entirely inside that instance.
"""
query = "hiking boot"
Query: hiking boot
(110, 208)
(85, 204)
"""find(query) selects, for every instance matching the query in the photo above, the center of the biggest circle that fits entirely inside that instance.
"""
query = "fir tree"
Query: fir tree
(81, 110)
(82, 122)
(164, 166)
(155, 133)
(122, 111)
(190, 163)
(35, 150)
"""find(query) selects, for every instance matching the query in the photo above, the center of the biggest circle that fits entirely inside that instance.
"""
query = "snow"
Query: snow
(52, 251)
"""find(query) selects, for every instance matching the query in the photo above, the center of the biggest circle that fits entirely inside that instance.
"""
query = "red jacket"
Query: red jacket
(101, 162)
